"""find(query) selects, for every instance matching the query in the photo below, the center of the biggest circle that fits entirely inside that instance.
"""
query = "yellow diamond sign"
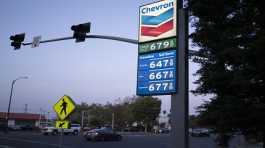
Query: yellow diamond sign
(62, 124)
(64, 107)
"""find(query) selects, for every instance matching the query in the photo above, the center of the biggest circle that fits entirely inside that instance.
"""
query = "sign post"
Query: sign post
(180, 101)
(163, 61)
(63, 108)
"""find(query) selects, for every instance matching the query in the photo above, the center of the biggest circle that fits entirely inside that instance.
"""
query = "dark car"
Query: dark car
(102, 134)
(27, 127)
(164, 131)
(3, 127)
(200, 132)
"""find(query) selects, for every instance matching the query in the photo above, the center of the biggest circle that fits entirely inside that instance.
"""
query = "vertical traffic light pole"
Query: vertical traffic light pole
(179, 101)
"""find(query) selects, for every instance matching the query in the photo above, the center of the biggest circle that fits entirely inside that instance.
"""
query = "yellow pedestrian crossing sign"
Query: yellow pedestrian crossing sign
(64, 107)
(62, 124)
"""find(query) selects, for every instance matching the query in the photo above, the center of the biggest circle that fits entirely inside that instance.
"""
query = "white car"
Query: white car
(75, 130)
(14, 127)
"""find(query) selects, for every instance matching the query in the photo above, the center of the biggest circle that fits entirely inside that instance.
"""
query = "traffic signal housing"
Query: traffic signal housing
(80, 31)
(17, 40)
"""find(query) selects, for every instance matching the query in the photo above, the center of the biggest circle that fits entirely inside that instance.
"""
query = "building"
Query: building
(22, 119)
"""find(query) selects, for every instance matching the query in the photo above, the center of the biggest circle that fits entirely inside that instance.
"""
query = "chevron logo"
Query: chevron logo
(156, 20)
(156, 25)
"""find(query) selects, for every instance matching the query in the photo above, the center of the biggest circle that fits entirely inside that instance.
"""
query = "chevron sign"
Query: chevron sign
(157, 21)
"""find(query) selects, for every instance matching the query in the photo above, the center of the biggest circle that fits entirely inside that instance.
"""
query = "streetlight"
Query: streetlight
(11, 94)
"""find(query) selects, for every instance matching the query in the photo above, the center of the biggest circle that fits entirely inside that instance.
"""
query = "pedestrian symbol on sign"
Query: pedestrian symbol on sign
(63, 109)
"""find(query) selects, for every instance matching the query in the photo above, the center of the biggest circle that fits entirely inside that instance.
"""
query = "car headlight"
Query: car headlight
(94, 134)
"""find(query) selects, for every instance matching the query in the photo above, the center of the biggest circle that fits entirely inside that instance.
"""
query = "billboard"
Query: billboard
(157, 21)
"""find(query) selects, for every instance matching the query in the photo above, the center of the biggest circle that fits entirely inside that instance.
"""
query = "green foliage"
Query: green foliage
(231, 35)
(75, 117)
(146, 109)
(143, 110)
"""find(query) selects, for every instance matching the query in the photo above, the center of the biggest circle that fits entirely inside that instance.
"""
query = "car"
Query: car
(74, 129)
(200, 132)
(50, 130)
(14, 127)
(134, 129)
(164, 131)
(85, 130)
(102, 134)
(27, 127)
(3, 127)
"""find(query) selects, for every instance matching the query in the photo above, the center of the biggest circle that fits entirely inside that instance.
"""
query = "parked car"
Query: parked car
(200, 132)
(102, 134)
(14, 127)
(134, 129)
(85, 130)
(50, 130)
(3, 127)
(164, 131)
(27, 127)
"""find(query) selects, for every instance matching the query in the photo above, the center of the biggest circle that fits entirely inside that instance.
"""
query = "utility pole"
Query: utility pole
(82, 119)
(26, 108)
(47, 118)
(40, 117)
(113, 120)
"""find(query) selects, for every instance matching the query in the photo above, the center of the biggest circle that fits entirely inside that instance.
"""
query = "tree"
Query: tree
(123, 114)
(231, 36)
(193, 121)
(100, 115)
(76, 116)
(145, 110)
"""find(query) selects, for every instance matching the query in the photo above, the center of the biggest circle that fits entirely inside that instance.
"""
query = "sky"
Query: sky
(94, 71)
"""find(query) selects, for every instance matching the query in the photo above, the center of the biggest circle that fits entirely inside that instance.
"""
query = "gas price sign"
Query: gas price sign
(157, 73)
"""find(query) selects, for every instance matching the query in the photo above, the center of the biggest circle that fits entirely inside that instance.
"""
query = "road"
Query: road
(36, 140)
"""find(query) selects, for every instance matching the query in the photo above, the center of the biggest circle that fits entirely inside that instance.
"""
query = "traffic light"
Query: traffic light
(17, 40)
(80, 31)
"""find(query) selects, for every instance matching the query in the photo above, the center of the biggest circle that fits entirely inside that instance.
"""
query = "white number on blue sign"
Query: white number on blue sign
(161, 86)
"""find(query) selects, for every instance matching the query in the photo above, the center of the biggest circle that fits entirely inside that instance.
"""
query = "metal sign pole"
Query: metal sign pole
(61, 139)
(179, 101)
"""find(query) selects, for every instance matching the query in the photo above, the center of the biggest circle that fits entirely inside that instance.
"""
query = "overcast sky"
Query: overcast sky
(95, 71)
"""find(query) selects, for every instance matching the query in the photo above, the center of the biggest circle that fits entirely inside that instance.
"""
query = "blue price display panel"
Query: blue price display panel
(156, 73)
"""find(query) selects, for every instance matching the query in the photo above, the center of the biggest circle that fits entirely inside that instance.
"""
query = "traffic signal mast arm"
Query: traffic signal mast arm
(192, 53)
(89, 36)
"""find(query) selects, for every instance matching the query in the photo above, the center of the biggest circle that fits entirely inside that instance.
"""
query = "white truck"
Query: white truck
(50, 130)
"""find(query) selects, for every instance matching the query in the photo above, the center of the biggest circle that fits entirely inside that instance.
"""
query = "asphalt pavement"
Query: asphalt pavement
(22, 139)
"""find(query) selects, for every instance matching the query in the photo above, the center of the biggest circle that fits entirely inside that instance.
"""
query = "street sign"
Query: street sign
(36, 41)
(157, 73)
(157, 21)
(64, 107)
(62, 124)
